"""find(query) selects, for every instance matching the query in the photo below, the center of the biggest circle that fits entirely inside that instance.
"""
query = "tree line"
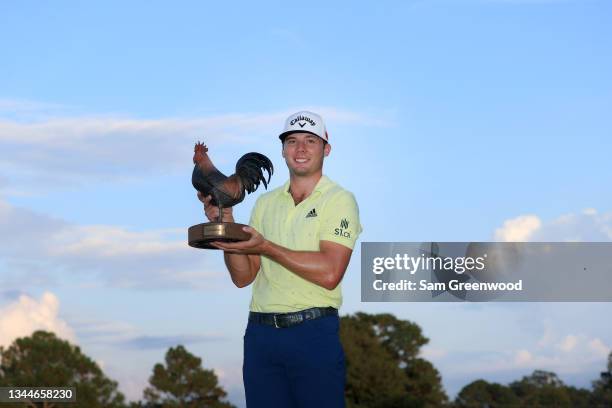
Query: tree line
(384, 370)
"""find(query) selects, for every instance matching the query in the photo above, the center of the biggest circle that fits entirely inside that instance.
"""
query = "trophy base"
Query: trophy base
(201, 235)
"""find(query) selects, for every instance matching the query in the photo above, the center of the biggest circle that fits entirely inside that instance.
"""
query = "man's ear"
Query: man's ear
(283, 150)
(326, 149)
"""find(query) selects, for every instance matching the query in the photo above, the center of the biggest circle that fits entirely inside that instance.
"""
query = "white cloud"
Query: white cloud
(26, 315)
(568, 354)
(599, 348)
(58, 150)
(95, 331)
(36, 248)
(587, 225)
(104, 241)
(568, 343)
(564, 353)
(523, 358)
(518, 229)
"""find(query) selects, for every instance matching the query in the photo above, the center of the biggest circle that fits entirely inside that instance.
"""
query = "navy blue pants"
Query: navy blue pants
(296, 367)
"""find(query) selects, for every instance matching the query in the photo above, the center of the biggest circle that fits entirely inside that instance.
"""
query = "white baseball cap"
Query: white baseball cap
(304, 122)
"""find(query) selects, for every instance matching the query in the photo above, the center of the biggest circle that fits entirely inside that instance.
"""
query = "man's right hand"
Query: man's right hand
(212, 211)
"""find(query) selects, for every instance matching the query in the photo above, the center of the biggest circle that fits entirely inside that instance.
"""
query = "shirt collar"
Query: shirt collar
(319, 187)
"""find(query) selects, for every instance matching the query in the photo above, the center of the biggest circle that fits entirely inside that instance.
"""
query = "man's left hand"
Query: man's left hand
(254, 245)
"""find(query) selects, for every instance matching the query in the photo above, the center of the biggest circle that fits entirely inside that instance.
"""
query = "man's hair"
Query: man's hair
(323, 140)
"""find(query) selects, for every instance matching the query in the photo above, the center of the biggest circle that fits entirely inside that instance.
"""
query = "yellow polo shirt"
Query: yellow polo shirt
(330, 213)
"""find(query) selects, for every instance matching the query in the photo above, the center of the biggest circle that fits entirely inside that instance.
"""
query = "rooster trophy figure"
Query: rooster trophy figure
(229, 191)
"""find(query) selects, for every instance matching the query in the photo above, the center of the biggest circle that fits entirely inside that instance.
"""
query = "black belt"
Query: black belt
(284, 320)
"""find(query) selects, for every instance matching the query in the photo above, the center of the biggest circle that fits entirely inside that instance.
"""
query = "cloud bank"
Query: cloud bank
(26, 315)
(52, 150)
(588, 225)
(42, 250)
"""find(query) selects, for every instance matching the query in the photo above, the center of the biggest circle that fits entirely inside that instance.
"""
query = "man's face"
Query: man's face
(304, 152)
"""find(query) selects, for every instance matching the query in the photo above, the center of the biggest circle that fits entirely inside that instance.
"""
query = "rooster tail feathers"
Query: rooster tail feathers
(250, 169)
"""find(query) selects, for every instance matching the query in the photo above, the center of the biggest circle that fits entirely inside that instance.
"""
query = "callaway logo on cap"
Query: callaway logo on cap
(304, 122)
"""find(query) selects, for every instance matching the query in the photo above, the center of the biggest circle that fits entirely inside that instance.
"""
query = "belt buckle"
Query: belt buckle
(275, 322)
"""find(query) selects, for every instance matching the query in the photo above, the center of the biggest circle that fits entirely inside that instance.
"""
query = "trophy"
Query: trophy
(225, 192)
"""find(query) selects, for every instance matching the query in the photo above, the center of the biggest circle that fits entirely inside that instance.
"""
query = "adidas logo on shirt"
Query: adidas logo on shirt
(311, 213)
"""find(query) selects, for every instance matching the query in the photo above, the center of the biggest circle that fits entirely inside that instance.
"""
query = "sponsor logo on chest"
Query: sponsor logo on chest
(312, 213)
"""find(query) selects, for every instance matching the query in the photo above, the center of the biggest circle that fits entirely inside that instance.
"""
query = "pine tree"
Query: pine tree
(44, 360)
(383, 367)
(182, 382)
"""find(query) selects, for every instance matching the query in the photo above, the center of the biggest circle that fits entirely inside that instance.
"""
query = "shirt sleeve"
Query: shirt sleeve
(340, 223)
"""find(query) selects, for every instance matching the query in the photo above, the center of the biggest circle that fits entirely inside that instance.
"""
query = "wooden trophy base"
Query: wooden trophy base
(201, 235)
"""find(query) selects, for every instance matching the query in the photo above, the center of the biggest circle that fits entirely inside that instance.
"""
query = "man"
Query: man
(302, 237)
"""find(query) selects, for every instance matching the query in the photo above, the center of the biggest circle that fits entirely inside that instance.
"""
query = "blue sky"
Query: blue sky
(458, 120)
